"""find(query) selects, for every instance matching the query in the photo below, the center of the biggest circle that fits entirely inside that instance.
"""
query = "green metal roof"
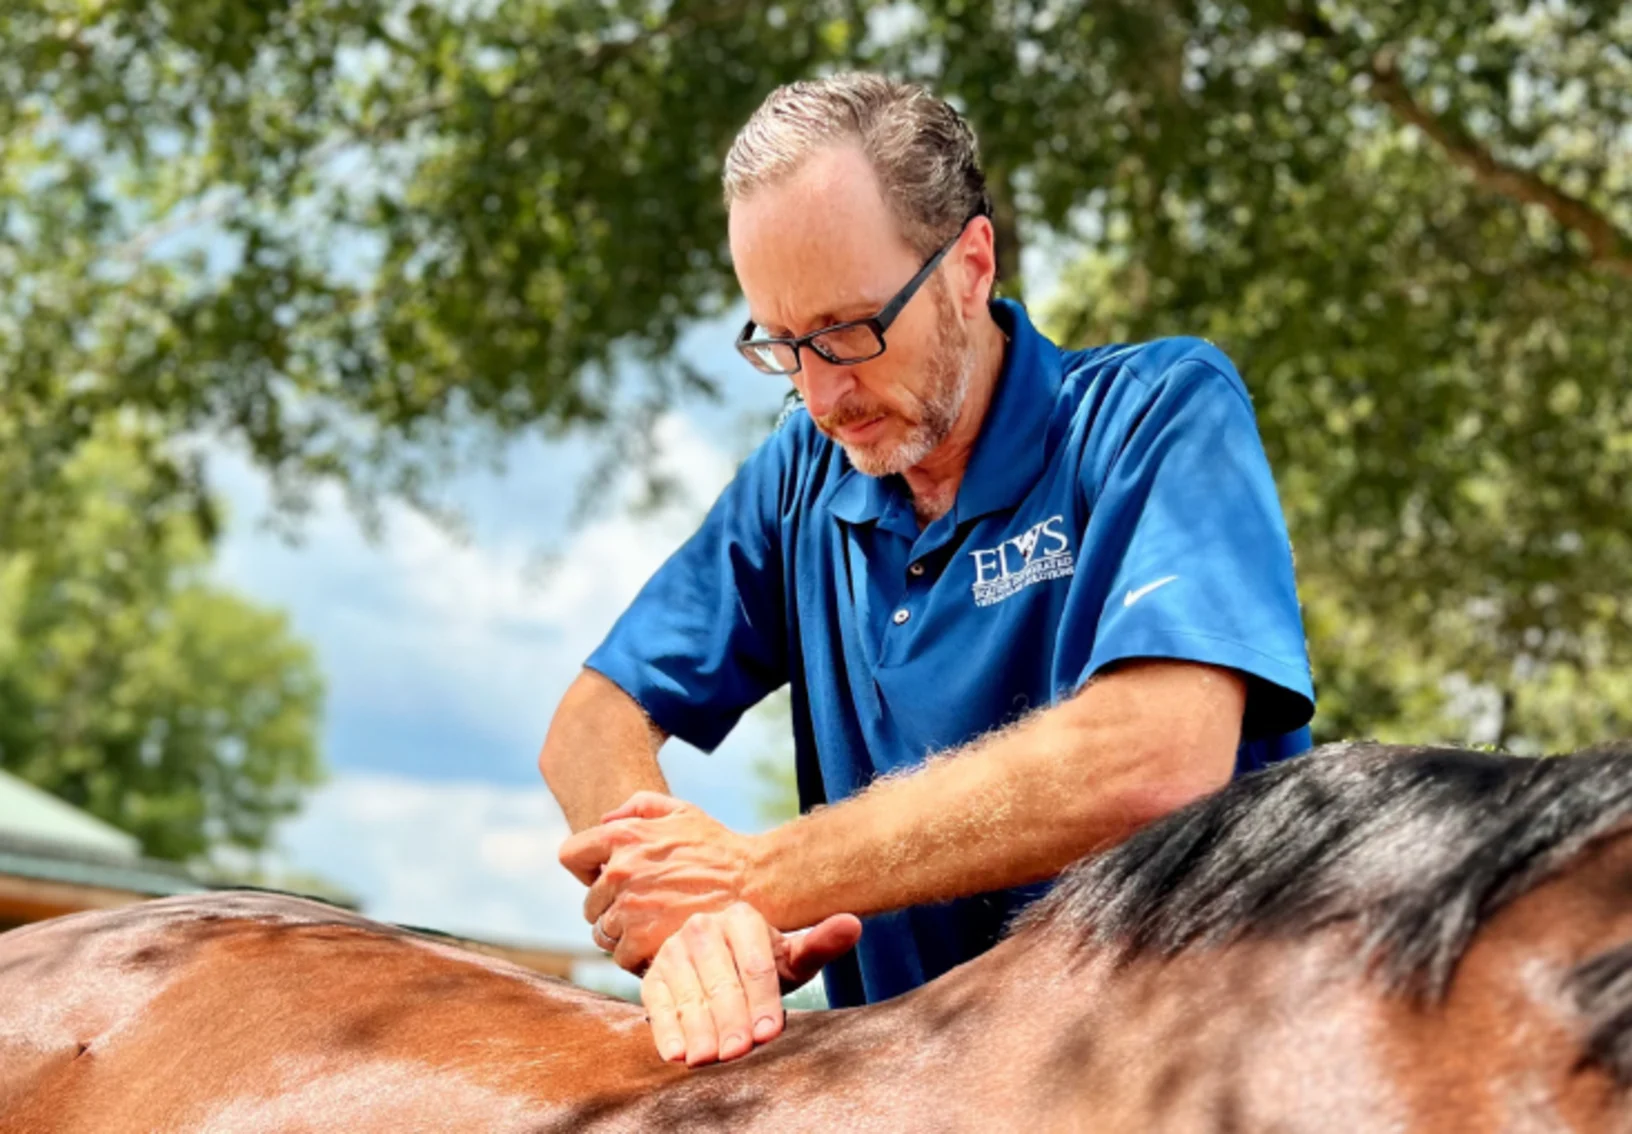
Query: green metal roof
(55, 862)
(43, 838)
(35, 815)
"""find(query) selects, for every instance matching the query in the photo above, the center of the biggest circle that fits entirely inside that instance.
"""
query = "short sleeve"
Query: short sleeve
(706, 638)
(1200, 565)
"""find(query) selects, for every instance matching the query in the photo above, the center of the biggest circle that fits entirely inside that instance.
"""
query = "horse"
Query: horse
(1366, 938)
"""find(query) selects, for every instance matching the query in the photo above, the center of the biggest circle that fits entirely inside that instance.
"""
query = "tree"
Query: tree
(1409, 223)
(1411, 228)
(414, 215)
(132, 688)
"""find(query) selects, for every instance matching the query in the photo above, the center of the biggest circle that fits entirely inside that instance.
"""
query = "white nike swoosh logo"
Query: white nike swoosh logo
(1134, 596)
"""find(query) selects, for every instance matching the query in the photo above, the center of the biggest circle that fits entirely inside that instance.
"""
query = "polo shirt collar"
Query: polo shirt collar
(1009, 453)
(859, 498)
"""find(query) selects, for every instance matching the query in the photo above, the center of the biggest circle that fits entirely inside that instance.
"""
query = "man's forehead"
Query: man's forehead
(820, 242)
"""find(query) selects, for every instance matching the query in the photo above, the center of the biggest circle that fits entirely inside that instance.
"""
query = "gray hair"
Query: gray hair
(922, 150)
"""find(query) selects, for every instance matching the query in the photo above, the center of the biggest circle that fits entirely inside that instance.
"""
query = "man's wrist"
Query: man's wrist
(765, 882)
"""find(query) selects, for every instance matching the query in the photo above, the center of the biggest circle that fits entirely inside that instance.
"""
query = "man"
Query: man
(1027, 601)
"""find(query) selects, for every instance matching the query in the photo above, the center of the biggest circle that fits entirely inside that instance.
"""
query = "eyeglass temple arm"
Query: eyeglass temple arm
(887, 316)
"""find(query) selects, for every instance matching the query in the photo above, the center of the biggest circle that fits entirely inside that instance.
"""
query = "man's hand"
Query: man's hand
(651, 864)
(715, 988)
(666, 884)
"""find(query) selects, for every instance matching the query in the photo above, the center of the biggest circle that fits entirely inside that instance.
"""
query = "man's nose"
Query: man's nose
(823, 384)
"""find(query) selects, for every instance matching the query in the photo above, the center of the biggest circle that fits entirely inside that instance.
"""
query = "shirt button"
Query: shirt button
(916, 569)
(901, 616)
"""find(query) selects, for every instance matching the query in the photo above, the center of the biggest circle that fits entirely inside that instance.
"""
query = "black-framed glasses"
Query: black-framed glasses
(843, 344)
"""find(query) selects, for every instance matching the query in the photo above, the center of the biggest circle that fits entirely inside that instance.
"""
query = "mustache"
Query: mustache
(849, 413)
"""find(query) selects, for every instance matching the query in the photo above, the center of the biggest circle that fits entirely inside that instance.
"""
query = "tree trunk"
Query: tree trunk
(1504, 734)
(1006, 222)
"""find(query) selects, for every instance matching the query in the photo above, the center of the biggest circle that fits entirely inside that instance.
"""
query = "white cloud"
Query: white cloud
(427, 639)
(516, 854)
(444, 659)
(468, 858)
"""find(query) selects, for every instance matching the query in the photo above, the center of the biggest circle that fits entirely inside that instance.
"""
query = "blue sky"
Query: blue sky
(445, 654)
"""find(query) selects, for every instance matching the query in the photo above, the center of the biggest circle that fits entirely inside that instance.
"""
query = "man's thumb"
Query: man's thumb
(644, 805)
(827, 940)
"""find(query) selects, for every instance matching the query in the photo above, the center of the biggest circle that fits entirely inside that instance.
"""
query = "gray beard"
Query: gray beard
(952, 368)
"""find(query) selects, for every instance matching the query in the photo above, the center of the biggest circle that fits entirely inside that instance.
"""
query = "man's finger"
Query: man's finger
(750, 938)
(675, 969)
(602, 893)
(665, 1020)
(717, 972)
(604, 939)
(633, 951)
(644, 805)
(586, 852)
(826, 941)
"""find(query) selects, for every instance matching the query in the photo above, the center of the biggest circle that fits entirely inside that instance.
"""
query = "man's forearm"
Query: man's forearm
(601, 749)
(1014, 807)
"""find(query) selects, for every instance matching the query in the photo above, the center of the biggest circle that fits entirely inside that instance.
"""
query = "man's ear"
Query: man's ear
(977, 263)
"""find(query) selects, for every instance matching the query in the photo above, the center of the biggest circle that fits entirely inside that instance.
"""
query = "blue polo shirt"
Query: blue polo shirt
(1117, 505)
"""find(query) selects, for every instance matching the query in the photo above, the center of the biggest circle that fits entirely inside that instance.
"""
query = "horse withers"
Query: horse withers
(1363, 939)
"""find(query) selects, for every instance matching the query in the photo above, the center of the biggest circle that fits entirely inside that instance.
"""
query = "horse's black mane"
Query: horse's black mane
(1416, 847)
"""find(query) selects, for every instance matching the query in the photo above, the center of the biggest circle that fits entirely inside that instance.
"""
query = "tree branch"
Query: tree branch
(1608, 247)
(210, 207)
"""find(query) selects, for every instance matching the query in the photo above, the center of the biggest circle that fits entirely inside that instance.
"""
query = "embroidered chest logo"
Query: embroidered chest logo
(1040, 553)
